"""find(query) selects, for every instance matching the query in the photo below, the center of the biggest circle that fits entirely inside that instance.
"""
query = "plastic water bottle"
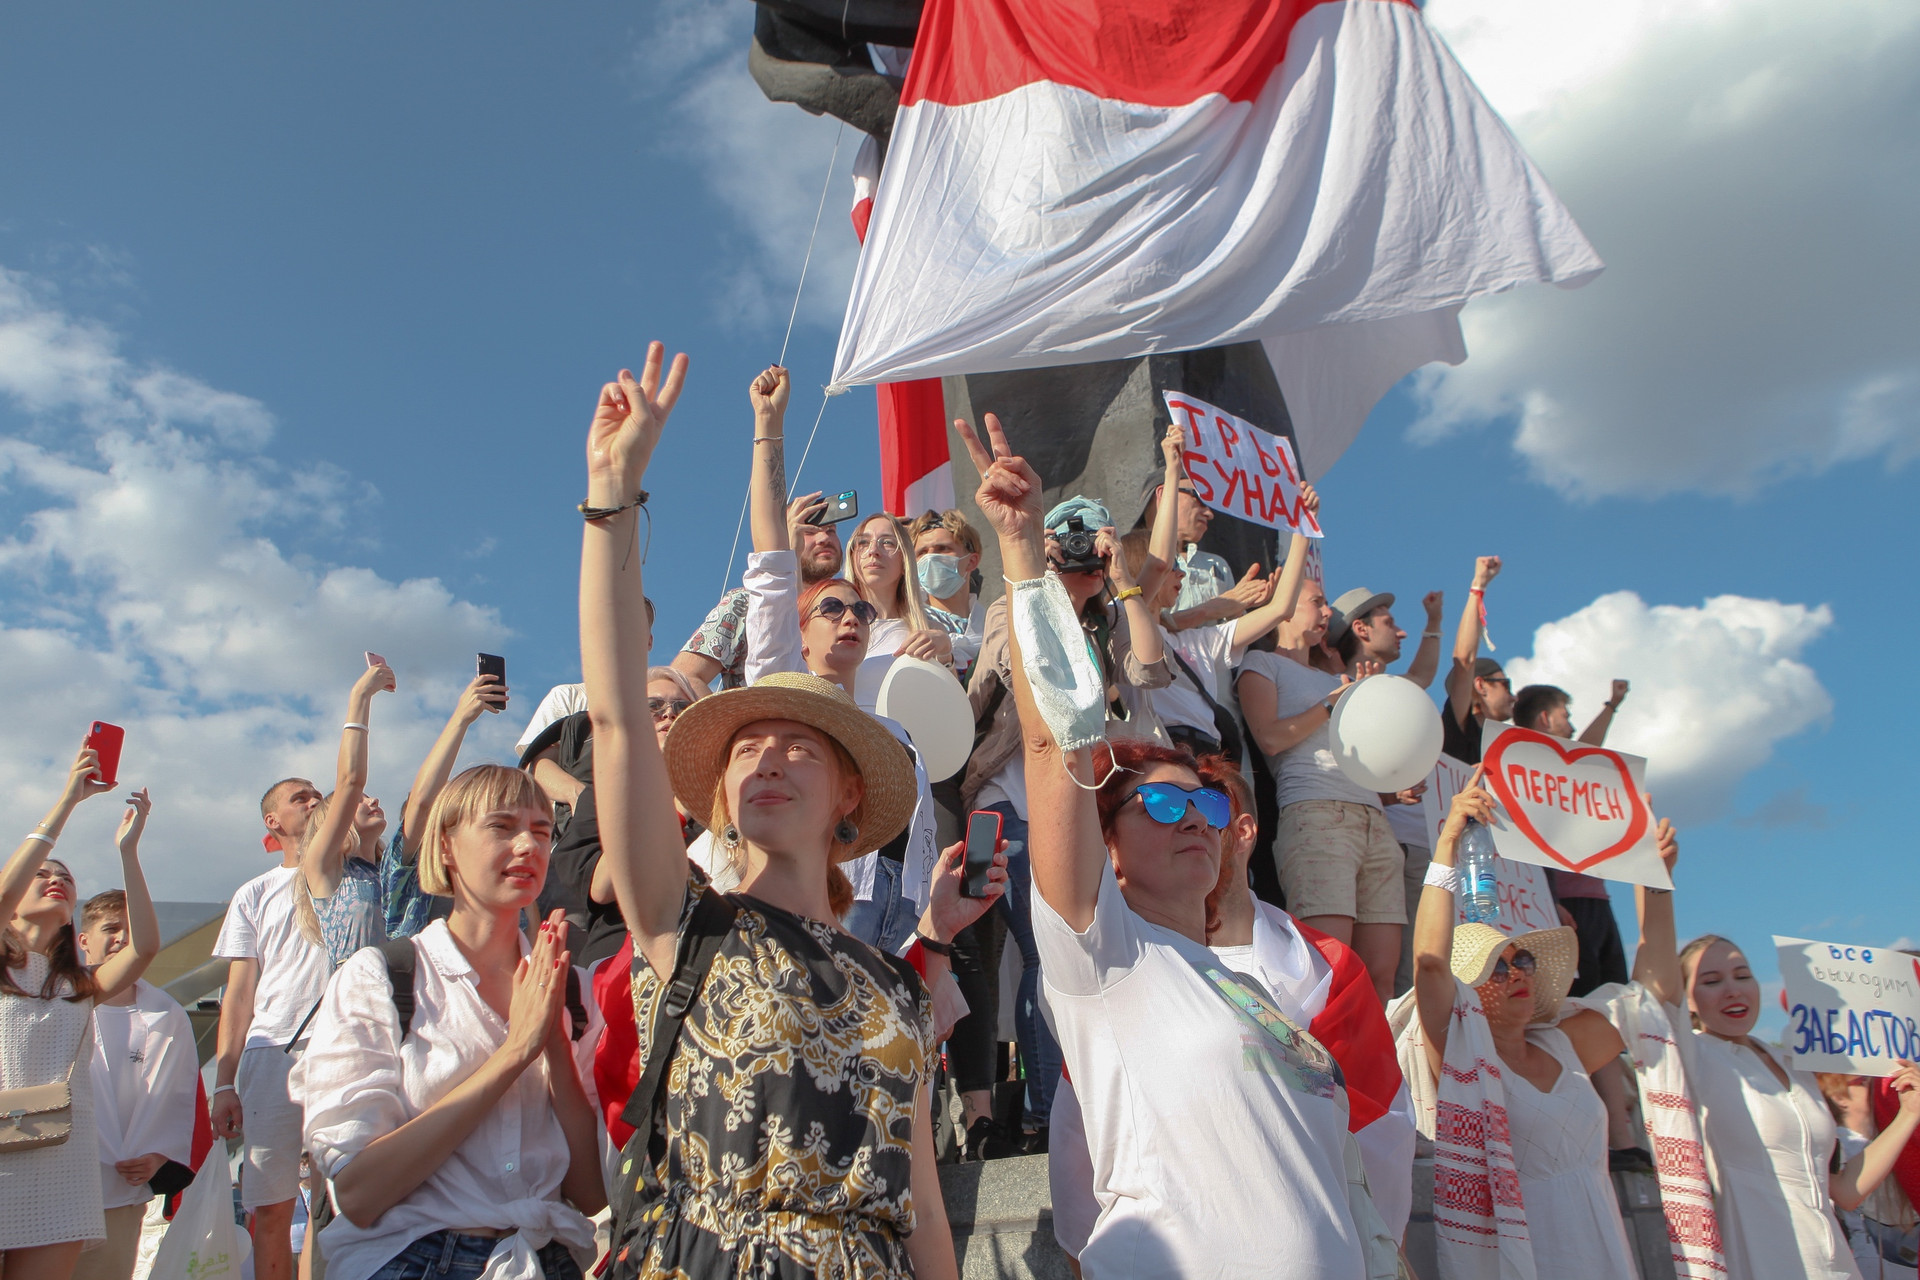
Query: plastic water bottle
(1479, 890)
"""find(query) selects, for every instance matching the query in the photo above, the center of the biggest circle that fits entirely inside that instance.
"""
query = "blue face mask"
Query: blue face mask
(941, 576)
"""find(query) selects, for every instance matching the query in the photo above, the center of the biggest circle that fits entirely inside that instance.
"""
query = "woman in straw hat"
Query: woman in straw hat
(792, 1136)
(1520, 1188)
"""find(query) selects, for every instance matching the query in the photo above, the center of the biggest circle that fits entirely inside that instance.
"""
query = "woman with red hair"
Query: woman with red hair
(1216, 1125)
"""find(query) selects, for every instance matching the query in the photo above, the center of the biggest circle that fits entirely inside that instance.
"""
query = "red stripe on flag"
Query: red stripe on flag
(913, 437)
(1158, 53)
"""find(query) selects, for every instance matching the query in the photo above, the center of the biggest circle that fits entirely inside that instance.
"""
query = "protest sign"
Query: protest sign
(1850, 1009)
(1526, 899)
(1240, 470)
(1571, 807)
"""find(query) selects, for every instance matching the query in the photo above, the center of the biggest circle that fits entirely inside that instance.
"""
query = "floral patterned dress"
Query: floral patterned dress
(789, 1106)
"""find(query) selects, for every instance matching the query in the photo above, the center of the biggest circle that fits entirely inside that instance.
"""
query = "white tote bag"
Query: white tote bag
(202, 1240)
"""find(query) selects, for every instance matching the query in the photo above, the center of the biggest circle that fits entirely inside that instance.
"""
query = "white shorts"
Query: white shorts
(270, 1126)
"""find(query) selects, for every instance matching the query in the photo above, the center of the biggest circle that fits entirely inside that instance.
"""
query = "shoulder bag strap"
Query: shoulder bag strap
(706, 930)
(1225, 724)
(401, 959)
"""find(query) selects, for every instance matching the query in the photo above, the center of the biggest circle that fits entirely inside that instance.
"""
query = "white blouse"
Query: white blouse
(360, 1081)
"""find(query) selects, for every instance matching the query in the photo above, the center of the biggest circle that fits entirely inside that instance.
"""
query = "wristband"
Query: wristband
(1128, 594)
(1429, 635)
(354, 724)
(767, 439)
(224, 1088)
(40, 836)
(938, 948)
(1661, 892)
(601, 513)
(1476, 591)
(1440, 877)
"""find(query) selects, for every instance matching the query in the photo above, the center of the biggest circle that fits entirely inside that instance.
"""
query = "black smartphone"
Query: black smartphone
(491, 664)
(834, 510)
(983, 841)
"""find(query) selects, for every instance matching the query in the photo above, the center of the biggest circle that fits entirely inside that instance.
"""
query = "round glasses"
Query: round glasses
(888, 545)
(834, 608)
(1504, 968)
(1167, 804)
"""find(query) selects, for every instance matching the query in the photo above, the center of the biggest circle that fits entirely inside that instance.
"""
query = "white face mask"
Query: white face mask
(940, 575)
(1067, 686)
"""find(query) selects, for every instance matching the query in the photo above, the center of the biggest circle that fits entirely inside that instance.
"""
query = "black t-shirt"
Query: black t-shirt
(576, 848)
(1463, 744)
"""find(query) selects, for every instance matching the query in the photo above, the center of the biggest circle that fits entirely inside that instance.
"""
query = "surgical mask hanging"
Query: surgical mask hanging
(1067, 686)
(941, 576)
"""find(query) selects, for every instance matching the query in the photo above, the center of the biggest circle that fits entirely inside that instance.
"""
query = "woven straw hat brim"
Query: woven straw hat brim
(696, 748)
(1477, 946)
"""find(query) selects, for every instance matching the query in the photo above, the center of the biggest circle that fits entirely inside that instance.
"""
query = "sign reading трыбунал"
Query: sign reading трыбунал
(1850, 1009)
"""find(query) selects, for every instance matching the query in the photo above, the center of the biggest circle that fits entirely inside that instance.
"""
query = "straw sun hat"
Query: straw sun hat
(1477, 946)
(696, 748)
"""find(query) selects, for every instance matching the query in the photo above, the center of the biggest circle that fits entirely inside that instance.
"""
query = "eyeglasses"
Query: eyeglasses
(1502, 681)
(863, 542)
(1503, 968)
(667, 708)
(1167, 804)
(834, 608)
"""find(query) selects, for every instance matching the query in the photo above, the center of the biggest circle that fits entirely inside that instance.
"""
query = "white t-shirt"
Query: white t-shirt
(1409, 823)
(1204, 1160)
(1307, 770)
(561, 701)
(144, 1067)
(1210, 652)
(293, 972)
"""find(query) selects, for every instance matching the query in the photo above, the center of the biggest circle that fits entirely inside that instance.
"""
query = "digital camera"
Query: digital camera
(1077, 551)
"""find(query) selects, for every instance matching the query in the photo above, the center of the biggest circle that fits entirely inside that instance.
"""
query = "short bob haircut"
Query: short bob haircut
(471, 795)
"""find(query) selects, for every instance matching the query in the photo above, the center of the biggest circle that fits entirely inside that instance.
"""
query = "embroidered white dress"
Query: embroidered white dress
(1768, 1146)
(50, 1194)
(1560, 1149)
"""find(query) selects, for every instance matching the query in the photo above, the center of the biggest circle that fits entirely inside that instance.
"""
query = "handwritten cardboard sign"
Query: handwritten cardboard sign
(1570, 806)
(1850, 1009)
(1240, 470)
(1526, 899)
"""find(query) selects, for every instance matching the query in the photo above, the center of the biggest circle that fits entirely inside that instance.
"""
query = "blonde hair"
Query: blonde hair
(304, 914)
(839, 888)
(953, 522)
(471, 795)
(679, 680)
(1689, 962)
(908, 597)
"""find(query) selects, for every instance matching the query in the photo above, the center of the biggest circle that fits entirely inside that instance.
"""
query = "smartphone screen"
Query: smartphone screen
(107, 739)
(983, 840)
(491, 664)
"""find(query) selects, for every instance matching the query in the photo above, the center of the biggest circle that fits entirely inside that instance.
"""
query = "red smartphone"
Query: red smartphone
(107, 739)
(983, 841)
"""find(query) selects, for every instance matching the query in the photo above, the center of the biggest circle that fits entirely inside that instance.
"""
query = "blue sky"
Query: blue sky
(310, 308)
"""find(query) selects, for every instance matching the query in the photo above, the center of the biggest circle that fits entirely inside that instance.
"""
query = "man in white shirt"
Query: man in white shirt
(274, 982)
(144, 1069)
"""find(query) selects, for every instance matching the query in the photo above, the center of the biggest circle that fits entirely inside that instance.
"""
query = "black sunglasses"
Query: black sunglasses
(665, 708)
(834, 608)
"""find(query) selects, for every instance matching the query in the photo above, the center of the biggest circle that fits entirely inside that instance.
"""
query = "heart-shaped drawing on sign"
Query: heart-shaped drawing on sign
(1579, 807)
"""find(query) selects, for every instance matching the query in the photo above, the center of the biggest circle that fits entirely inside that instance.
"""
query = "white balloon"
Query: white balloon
(929, 703)
(1385, 733)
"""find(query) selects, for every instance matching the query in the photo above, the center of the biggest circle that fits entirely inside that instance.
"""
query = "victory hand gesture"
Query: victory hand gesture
(627, 424)
(1009, 493)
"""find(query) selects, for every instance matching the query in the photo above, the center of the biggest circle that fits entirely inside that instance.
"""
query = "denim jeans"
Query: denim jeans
(447, 1256)
(887, 919)
(1039, 1051)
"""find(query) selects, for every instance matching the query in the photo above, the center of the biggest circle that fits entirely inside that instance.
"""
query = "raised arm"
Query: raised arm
(483, 693)
(1466, 641)
(1595, 734)
(1433, 981)
(17, 876)
(1656, 961)
(325, 850)
(124, 967)
(1866, 1171)
(1426, 659)
(767, 487)
(638, 829)
(1163, 543)
(1286, 585)
(1063, 835)
(1143, 630)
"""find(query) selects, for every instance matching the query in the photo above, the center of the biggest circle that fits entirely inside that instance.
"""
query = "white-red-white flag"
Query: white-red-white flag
(1070, 183)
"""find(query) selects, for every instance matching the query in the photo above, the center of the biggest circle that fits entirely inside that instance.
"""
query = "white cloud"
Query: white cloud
(1748, 169)
(764, 162)
(149, 582)
(1714, 687)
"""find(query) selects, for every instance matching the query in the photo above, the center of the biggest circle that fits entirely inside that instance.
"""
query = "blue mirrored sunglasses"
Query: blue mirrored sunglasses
(1166, 803)
(1503, 969)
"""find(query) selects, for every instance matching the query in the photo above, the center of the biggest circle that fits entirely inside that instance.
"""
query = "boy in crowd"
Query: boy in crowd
(276, 979)
(144, 1070)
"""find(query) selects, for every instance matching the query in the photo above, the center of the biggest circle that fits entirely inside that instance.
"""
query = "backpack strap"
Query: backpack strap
(707, 928)
(401, 959)
(576, 1007)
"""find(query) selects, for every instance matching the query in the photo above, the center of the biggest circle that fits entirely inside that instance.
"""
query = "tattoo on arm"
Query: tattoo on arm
(777, 468)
